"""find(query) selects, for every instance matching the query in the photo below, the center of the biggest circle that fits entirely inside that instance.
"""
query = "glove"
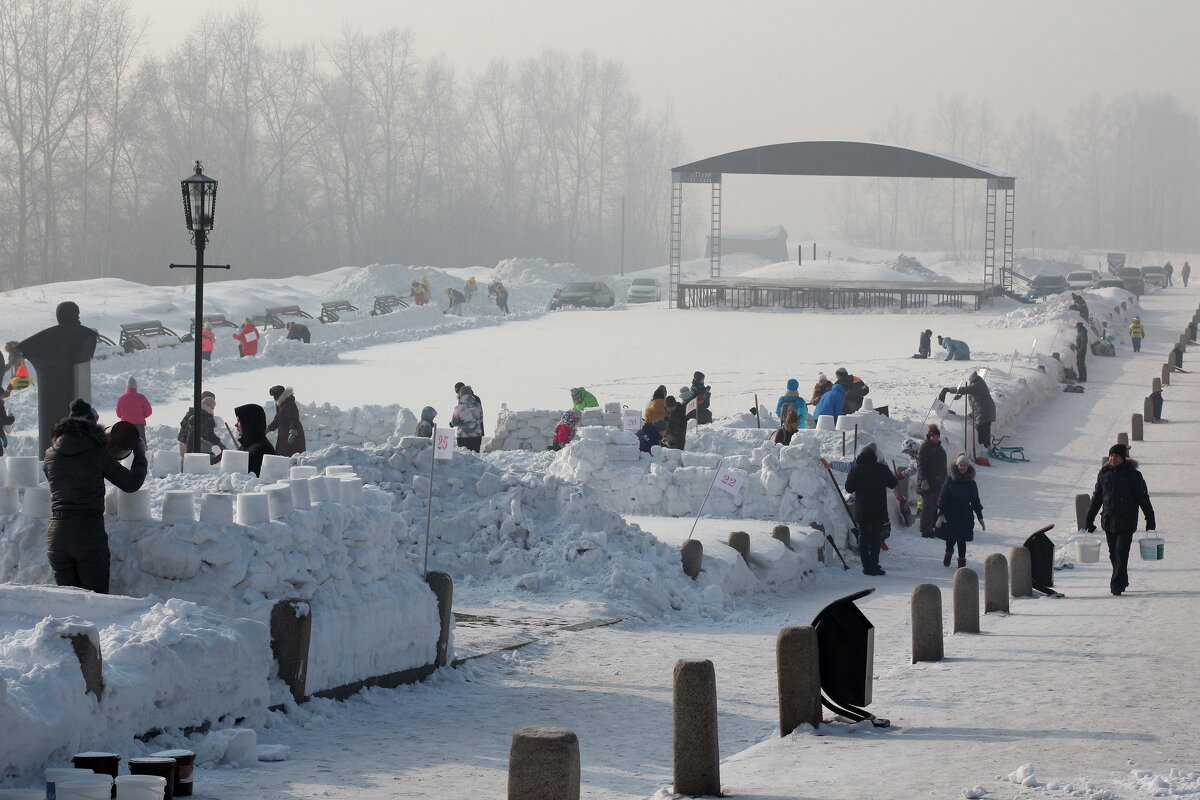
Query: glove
(940, 521)
(1150, 525)
(1091, 528)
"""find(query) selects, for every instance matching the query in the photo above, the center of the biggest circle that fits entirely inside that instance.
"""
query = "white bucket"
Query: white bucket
(1152, 548)
(22, 471)
(252, 508)
(300, 497)
(234, 461)
(352, 491)
(868, 404)
(133, 506)
(339, 469)
(55, 774)
(164, 463)
(179, 505)
(303, 471)
(279, 500)
(197, 464)
(10, 500)
(826, 422)
(845, 423)
(141, 787)
(36, 503)
(275, 468)
(1087, 551)
(317, 493)
(216, 508)
(83, 787)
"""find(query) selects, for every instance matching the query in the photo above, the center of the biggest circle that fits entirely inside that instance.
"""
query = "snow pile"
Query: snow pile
(517, 271)
(165, 664)
(534, 430)
(326, 425)
(372, 612)
(907, 265)
(1176, 783)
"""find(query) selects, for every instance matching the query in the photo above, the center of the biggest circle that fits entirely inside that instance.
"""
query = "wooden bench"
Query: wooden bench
(386, 304)
(137, 335)
(330, 310)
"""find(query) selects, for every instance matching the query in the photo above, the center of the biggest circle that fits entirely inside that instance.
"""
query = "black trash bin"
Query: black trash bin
(846, 645)
(1041, 557)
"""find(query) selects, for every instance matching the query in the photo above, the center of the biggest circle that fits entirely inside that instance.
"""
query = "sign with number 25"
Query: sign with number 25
(443, 444)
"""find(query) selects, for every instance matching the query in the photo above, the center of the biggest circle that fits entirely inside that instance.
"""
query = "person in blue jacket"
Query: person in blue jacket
(792, 398)
(832, 402)
(956, 349)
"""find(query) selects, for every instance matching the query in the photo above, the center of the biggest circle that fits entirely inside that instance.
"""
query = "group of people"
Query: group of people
(956, 349)
(421, 290)
(664, 420)
(251, 427)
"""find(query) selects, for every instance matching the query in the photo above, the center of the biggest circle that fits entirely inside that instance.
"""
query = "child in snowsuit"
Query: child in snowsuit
(425, 425)
(791, 397)
(956, 349)
(565, 431)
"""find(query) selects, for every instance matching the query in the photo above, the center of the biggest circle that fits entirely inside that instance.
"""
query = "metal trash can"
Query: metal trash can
(1041, 557)
(846, 645)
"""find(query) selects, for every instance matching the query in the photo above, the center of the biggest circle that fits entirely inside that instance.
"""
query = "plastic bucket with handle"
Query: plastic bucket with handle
(1087, 550)
(1152, 548)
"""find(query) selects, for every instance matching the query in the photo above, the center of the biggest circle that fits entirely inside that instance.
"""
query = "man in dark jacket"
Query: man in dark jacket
(703, 396)
(676, 434)
(1081, 348)
(252, 435)
(856, 390)
(1120, 491)
(869, 481)
(925, 347)
(77, 464)
(983, 407)
(931, 474)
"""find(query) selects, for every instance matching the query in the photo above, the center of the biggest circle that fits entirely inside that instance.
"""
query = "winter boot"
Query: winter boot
(946, 560)
(962, 562)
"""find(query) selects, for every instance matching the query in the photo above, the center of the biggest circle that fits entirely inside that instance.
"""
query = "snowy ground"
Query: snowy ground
(1089, 687)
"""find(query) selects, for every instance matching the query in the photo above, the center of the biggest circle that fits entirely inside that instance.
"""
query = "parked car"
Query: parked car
(1133, 279)
(1082, 279)
(583, 293)
(1043, 286)
(1111, 283)
(644, 290)
(1154, 276)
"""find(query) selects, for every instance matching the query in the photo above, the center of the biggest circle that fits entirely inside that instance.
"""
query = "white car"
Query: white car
(644, 290)
(1083, 279)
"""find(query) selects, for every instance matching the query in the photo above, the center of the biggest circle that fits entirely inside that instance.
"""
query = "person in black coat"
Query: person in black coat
(856, 389)
(926, 345)
(1081, 348)
(77, 464)
(931, 474)
(983, 407)
(703, 396)
(299, 332)
(1120, 491)
(649, 436)
(869, 481)
(676, 434)
(252, 434)
(958, 506)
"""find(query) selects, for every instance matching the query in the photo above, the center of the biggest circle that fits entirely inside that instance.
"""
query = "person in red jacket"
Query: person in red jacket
(565, 432)
(133, 407)
(208, 340)
(247, 338)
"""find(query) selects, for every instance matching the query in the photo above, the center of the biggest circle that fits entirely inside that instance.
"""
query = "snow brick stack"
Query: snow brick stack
(326, 425)
(534, 430)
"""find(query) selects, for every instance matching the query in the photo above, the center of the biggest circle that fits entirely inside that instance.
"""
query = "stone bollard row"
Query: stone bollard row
(798, 672)
(783, 534)
(927, 623)
(995, 584)
(543, 764)
(740, 541)
(966, 600)
(1020, 570)
(697, 753)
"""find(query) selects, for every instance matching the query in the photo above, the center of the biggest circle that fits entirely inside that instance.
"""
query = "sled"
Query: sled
(1000, 452)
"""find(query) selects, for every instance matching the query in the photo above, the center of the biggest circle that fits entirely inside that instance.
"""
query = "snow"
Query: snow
(579, 534)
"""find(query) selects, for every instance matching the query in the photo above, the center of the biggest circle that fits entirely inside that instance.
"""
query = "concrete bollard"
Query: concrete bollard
(1020, 568)
(1156, 385)
(90, 663)
(783, 534)
(798, 670)
(966, 600)
(692, 554)
(1166, 374)
(995, 584)
(543, 764)
(1056, 356)
(443, 589)
(927, 623)
(1148, 409)
(1135, 428)
(1123, 438)
(291, 632)
(1082, 502)
(740, 541)
(697, 753)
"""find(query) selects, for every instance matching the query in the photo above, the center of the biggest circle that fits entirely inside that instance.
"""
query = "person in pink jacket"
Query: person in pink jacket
(133, 407)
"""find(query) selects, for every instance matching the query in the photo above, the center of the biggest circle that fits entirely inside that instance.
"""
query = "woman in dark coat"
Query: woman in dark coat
(931, 474)
(287, 421)
(252, 434)
(676, 420)
(957, 508)
(208, 427)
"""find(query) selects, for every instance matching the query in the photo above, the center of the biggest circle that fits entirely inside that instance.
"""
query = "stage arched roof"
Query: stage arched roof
(850, 159)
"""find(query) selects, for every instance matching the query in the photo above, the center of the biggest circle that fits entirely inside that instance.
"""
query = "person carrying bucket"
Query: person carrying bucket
(1120, 491)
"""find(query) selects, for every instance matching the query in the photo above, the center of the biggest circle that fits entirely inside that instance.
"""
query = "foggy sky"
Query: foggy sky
(740, 74)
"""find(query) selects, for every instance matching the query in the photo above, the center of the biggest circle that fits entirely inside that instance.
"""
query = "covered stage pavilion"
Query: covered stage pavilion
(846, 159)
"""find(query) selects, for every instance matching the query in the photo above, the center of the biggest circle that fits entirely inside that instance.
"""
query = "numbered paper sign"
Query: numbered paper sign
(443, 444)
(729, 480)
(631, 420)
(691, 406)
(940, 408)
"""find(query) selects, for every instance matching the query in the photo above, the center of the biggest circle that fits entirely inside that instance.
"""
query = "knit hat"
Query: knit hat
(208, 404)
(961, 458)
(1078, 324)
(821, 377)
(131, 383)
(671, 401)
(81, 408)
(275, 391)
(933, 429)
(793, 384)
(1121, 450)
(208, 395)
(841, 371)
(698, 377)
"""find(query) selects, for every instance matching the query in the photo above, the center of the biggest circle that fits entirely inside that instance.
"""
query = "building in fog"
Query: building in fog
(769, 241)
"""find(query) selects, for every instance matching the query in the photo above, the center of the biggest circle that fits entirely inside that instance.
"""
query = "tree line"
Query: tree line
(1117, 173)
(350, 150)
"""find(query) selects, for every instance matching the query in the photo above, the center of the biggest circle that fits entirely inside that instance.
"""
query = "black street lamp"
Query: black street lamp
(199, 207)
